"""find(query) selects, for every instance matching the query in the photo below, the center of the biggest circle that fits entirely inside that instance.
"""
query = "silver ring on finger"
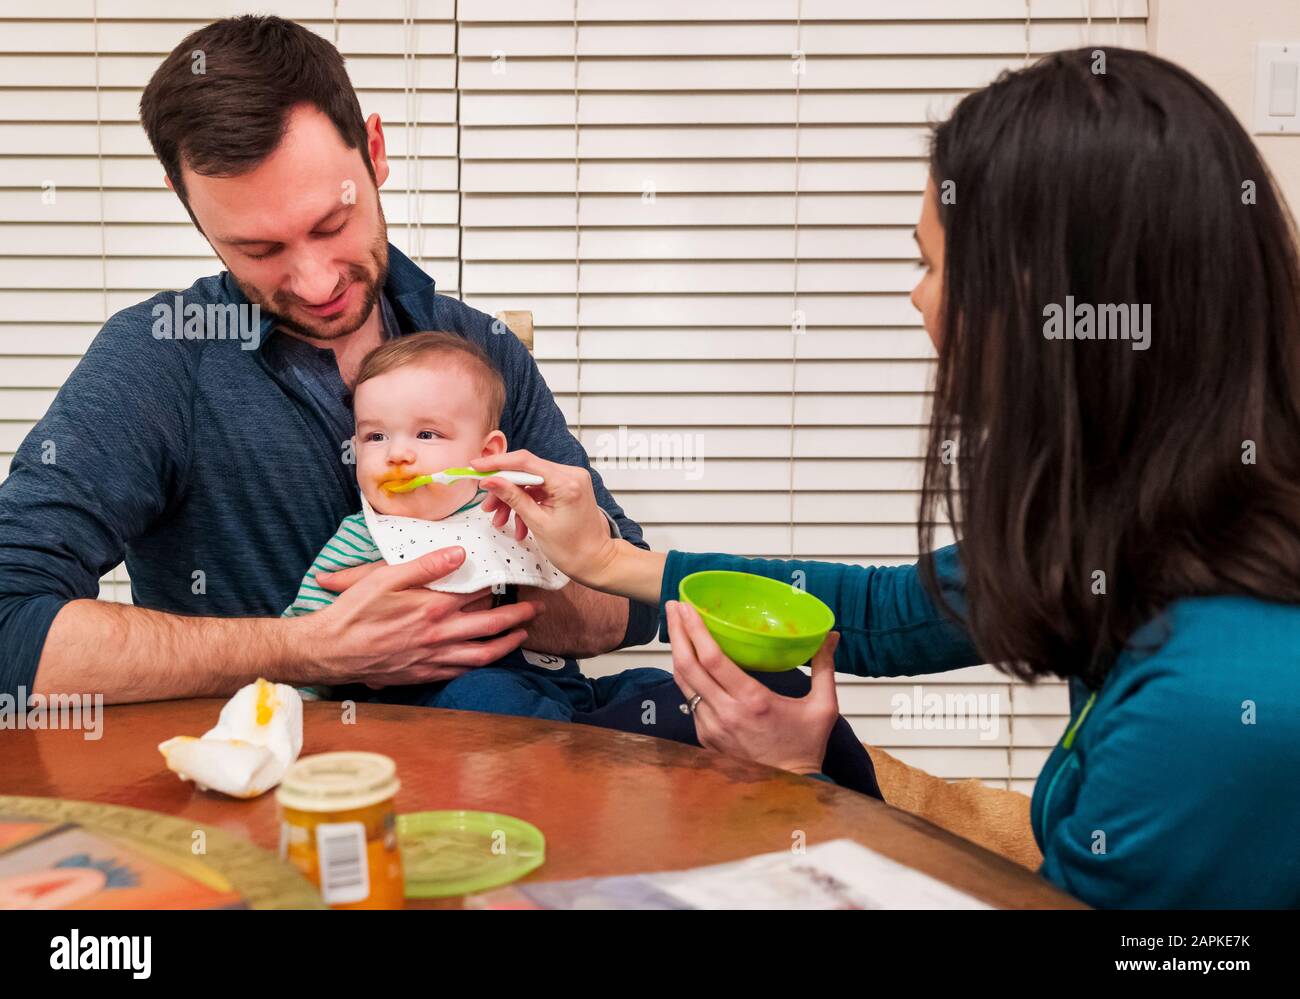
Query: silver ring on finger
(689, 707)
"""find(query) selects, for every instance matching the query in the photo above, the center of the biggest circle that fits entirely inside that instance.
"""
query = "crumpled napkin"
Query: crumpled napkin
(257, 736)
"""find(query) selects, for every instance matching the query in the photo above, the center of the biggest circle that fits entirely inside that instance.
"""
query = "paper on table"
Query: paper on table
(257, 736)
(840, 874)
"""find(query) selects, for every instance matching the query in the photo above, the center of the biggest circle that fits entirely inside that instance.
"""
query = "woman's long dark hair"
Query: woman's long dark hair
(1086, 465)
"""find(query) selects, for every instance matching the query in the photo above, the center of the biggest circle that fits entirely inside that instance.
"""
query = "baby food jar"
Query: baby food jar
(338, 826)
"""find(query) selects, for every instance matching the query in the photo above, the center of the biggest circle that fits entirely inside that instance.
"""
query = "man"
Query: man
(215, 460)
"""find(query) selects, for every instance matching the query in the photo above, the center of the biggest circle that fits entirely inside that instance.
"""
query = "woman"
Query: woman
(1129, 503)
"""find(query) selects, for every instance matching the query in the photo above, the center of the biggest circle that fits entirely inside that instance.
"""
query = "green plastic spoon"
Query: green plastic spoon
(449, 475)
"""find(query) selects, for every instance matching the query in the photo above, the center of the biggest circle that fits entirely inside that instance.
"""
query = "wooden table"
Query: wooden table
(608, 802)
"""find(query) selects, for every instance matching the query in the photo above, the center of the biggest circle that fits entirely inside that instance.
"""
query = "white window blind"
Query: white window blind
(665, 193)
(87, 226)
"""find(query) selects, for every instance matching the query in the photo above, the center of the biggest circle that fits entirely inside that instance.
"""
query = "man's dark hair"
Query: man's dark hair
(228, 118)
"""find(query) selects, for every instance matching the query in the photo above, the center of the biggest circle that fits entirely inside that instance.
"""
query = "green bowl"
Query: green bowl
(760, 623)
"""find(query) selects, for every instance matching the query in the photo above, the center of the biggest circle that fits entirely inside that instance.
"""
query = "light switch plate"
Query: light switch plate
(1277, 88)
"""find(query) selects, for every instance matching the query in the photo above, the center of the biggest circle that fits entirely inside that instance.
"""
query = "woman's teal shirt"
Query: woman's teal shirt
(1181, 784)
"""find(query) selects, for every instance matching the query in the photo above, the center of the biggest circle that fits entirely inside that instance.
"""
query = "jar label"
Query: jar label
(344, 866)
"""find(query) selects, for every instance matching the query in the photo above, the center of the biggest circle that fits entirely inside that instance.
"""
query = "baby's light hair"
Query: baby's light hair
(420, 348)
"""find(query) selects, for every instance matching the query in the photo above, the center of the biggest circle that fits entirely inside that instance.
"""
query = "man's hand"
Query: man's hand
(388, 629)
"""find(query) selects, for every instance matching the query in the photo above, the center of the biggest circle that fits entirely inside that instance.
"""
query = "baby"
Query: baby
(423, 403)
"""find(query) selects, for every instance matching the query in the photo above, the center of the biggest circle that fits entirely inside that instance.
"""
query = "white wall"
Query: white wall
(1216, 40)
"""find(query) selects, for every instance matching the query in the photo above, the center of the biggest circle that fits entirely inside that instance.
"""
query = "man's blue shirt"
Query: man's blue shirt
(214, 470)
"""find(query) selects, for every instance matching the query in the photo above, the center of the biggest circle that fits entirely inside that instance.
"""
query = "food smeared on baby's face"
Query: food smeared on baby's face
(417, 420)
(396, 480)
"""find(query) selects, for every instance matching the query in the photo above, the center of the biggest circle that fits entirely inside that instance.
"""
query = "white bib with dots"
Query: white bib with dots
(492, 557)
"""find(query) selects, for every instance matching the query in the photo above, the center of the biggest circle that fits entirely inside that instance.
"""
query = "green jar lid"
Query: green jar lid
(458, 852)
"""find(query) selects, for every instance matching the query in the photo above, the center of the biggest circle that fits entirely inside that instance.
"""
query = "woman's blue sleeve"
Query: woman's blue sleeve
(887, 622)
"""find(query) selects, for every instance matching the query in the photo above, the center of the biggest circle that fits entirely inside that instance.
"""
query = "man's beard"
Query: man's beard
(335, 327)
